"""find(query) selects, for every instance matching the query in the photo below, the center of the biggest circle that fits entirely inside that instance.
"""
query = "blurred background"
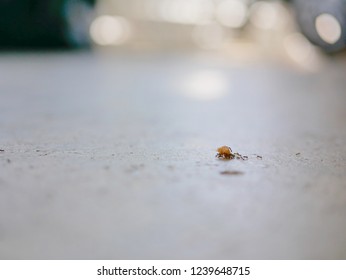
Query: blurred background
(111, 112)
(244, 29)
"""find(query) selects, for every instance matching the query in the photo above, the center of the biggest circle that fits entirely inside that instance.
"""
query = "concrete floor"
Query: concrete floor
(113, 157)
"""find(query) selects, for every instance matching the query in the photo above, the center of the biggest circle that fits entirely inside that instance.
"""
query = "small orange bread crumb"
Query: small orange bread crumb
(225, 152)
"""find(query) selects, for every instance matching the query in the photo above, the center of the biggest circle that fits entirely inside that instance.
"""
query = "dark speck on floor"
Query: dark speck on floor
(231, 172)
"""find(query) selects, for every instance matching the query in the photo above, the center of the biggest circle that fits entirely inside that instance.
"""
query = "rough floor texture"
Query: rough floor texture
(113, 157)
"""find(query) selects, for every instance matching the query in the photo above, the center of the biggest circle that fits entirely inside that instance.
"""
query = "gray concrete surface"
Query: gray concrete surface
(109, 157)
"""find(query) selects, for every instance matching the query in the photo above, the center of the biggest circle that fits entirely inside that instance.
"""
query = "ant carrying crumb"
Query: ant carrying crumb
(225, 152)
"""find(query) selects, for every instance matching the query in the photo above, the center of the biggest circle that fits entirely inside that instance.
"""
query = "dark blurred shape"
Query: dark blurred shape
(44, 23)
(323, 22)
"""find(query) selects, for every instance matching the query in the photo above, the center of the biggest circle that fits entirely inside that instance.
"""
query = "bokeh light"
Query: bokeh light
(244, 31)
(205, 85)
(232, 13)
(264, 15)
(110, 30)
(185, 12)
(302, 52)
(328, 28)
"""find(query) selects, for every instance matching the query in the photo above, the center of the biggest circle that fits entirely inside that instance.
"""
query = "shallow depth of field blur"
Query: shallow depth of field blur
(112, 111)
(240, 30)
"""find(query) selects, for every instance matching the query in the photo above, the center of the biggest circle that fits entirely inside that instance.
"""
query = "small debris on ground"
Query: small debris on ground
(297, 154)
(225, 152)
(231, 172)
(1, 150)
(8, 160)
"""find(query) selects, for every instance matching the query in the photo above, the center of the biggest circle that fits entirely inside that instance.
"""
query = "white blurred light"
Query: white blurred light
(301, 51)
(109, 30)
(208, 36)
(264, 15)
(185, 12)
(328, 28)
(205, 85)
(232, 13)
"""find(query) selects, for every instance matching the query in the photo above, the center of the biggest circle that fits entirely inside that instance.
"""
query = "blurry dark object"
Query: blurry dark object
(323, 22)
(44, 23)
